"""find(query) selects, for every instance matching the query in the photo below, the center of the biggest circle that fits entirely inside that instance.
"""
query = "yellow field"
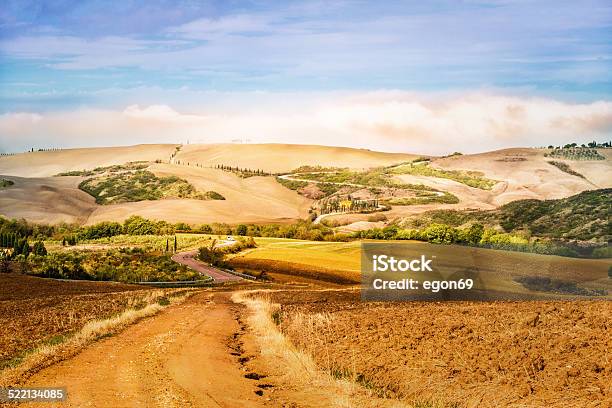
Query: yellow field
(496, 268)
(276, 158)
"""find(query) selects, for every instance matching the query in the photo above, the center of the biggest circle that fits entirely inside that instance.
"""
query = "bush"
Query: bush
(101, 230)
(440, 234)
(125, 265)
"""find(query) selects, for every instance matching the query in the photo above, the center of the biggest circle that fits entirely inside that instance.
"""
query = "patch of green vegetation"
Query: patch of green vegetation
(569, 152)
(292, 184)
(124, 265)
(317, 169)
(163, 301)
(469, 178)
(371, 178)
(424, 198)
(215, 255)
(585, 216)
(453, 154)
(6, 183)
(329, 189)
(130, 166)
(213, 195)
(139, 186)
(564, 167)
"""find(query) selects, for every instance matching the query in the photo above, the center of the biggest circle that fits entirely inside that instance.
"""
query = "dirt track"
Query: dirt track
(180, 358)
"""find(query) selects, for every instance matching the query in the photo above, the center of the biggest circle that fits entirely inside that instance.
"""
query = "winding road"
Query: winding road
(218, 275)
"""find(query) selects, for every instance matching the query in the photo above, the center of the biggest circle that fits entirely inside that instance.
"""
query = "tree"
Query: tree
(474, 234)
(25, 250)
(5, 264)
(175, 243)
(241, 230)
(39, 249)
(167, 245)
(63, 241)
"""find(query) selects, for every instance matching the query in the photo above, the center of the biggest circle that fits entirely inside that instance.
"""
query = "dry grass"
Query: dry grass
(299, 369)
(43, 356)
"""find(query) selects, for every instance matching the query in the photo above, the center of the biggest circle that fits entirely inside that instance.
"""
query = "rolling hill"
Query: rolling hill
(38, 195)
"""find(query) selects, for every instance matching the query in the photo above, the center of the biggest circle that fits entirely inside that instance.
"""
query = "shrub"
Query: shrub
(440, 234)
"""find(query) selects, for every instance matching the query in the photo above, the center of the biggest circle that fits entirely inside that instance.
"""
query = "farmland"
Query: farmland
(36, 312)
(500, 271)
(456, 354)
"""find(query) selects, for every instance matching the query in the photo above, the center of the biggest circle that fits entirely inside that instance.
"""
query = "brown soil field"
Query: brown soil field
(460, 354)
(277, 158)
(36, 311)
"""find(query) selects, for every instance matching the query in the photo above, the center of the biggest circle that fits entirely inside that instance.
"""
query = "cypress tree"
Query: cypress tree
(167, 245)
(175, 243)
(26, 248)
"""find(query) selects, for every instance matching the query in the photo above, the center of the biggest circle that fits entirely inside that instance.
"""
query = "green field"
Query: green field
(474, 179)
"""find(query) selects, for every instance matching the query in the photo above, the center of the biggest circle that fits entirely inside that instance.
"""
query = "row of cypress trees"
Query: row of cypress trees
(20, 244)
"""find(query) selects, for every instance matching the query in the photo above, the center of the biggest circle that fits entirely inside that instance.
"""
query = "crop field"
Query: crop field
(36, 312)
(485, 354)
(499, 271)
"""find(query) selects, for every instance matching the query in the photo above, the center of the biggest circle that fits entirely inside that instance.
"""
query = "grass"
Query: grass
(474, 179)
(152, 242)
(130, 166)
(446, 198)
(292, 184)
(296, 367)
(371, 178)
(141, 185)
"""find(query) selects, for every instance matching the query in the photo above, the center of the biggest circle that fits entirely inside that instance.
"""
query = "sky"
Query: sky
(413, 76)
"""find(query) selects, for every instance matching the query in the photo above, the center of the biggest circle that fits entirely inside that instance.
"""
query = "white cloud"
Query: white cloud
(387, 120)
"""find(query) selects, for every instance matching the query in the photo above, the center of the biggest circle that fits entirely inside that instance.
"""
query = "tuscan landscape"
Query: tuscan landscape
(305, 204)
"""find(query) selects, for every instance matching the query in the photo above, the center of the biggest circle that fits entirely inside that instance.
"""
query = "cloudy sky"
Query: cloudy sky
(429, 77)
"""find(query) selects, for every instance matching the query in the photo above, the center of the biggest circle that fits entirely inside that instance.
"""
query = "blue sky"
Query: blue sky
(64, 56)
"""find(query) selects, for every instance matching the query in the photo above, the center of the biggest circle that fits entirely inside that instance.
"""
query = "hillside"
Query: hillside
(50, 163)
(483, 181)
(282, 158)
(584, 216)
(527, 173)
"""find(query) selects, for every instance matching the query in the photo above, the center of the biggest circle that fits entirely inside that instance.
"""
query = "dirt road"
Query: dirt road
(188, 258)
(179, 358)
